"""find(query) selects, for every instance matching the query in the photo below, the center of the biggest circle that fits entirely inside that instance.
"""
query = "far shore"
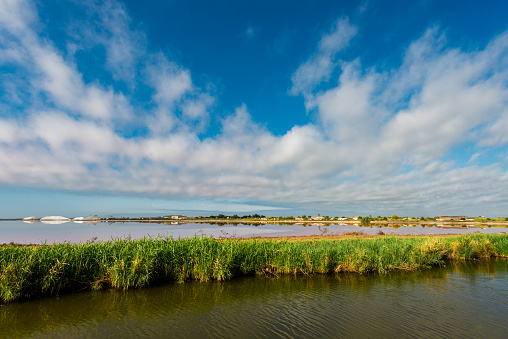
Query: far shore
(411, 222)
(350, 222)
(337, 222)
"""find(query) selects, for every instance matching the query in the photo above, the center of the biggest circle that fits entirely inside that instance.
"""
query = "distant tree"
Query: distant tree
(395, 217)
(364, 221)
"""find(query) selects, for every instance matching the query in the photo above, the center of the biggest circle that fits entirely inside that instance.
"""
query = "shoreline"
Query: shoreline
(462, 223)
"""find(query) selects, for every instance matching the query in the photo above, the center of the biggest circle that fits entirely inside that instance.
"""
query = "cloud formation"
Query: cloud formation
(319, 67)
(379, 138)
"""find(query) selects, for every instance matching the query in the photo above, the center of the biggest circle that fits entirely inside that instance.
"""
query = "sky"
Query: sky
(280, 107)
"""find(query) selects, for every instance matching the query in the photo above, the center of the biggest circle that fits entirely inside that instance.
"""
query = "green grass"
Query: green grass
(31, 271)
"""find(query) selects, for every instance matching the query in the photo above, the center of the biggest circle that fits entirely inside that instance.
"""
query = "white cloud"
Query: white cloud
(346, 111)
(124, 46)
(55, 77)
(169, 80)
(320, 66)
(475, 156)
(17, 15)
(66, 87)
(8, 131)
(378, 138)
(58, 130)
(106, 24)
(495, 134)
(341, 33)
(197, 108)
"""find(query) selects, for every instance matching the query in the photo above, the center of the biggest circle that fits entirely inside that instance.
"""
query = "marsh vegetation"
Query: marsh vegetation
(28, 271)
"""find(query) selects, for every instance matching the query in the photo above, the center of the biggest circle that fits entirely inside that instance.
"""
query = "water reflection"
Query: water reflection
(435, 303)
(54, 222)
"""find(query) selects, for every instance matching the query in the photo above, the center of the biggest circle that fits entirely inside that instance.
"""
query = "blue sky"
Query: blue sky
(283, 107)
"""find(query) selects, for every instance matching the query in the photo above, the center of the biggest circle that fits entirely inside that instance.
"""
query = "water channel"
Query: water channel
(463, 299)
(37, 233)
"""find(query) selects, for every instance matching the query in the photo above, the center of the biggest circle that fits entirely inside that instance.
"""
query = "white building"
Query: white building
(178, 217)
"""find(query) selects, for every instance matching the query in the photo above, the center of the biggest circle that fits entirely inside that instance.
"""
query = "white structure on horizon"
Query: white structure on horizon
(30, 220)
(178, 217)
(55, 219)
(78, 220)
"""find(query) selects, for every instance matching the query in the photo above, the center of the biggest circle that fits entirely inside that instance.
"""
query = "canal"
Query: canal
(463, 299)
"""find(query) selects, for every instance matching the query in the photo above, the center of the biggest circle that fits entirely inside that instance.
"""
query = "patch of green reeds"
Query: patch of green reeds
(32, 271)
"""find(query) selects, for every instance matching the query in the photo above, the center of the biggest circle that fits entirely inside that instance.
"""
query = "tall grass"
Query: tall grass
(31, 271)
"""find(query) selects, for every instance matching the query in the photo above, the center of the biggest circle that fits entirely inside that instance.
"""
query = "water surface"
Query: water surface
(464, 299)
(20, 232)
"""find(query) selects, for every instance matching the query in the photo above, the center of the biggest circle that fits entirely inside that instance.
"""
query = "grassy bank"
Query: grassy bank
(32, 271)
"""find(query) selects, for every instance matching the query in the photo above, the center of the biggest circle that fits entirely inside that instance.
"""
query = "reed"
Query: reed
(31, 271)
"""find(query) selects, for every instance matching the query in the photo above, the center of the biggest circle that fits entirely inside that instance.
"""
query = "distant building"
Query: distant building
(450, 217)
(317, 218)
(178, 217)
(30, 219)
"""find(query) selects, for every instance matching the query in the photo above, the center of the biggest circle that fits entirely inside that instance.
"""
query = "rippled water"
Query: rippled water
(20, 232)
(461, 300)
